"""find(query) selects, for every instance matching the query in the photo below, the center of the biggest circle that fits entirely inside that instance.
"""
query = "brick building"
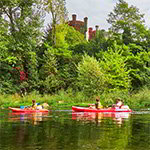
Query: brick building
(92, 33)
(81, 26)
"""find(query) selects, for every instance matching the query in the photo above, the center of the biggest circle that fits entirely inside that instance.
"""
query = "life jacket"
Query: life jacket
(98, 105)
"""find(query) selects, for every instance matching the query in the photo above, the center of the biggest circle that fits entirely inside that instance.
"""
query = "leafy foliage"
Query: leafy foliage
(114, 65)
(48, 73)
(66, 36)
(21, 22)
(90, 76)
(126, 21)
(116, 62)
(58, 12)
(139, 69)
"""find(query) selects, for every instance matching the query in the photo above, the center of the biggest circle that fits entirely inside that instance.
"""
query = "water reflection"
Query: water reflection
(64, 130)
(99, 117)
(33, 118)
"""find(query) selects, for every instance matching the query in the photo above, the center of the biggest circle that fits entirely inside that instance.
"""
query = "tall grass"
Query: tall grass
(109, 98)
(62, 98)
(141, 99)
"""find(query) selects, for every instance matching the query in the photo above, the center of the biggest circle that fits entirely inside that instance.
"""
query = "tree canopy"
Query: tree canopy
(60, 58)
(127, 21)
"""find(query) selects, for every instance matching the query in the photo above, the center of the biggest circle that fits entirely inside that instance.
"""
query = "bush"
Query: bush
(91, 79)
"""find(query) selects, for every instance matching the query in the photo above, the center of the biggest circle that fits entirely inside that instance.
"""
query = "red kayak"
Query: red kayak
(27, 110)
(88, 109)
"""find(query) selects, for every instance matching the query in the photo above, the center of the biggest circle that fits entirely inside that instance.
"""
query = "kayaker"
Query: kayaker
(118, 104)
(124, 106)
(34, 105)
(39, 107)
(45, 105)
(98, 104)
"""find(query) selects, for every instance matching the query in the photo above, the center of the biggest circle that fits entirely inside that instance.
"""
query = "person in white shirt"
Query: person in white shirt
(118, 104)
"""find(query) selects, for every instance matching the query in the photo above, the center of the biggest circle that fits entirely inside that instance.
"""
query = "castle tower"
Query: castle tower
(85, 28)
(90, 33)
(80, 26)
(96, 27)
(74, 17)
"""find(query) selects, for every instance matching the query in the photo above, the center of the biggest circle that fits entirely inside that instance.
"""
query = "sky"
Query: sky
(97, 10)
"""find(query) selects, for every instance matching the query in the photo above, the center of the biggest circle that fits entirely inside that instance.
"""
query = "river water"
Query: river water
(66, 130)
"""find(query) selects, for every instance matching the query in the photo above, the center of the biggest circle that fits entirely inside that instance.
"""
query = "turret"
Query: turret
(96, 27)
(85, 27)
(74, 17)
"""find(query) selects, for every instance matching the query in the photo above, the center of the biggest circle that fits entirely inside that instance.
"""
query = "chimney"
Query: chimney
(85, 23)
(96, 27)
(90, 29)
(85, 27)
(74, 16)
(90, 33)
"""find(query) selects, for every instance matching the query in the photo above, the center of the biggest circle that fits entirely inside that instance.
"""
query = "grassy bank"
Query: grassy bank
(64, 100)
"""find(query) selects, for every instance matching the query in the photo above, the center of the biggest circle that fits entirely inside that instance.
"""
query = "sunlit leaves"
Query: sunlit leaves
(90, 76)
(114, 65)
(128, 21)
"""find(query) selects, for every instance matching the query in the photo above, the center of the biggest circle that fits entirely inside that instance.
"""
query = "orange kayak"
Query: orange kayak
(27, 110)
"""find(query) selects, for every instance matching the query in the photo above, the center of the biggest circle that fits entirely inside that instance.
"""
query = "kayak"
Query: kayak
(88, 109)
(27, 110)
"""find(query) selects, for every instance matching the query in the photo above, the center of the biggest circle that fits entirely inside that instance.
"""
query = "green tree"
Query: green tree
(66, 38)
(98, 43)
(73, 37)
(90, 76)
(138, 66)
(126, 67)
(6, 60)
(58, 12)
(48, 73)
(113, 62)
(23, 22)
(146, 42)
(127, 21)
(57, 70)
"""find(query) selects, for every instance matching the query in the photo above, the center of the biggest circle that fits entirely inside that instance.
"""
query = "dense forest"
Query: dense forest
(58, 58)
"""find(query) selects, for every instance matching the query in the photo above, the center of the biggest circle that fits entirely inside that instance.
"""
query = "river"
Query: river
(66, 130)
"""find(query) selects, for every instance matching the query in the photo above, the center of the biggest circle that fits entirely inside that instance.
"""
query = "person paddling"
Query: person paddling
(98, 104)
(118, 104)
(34, 105)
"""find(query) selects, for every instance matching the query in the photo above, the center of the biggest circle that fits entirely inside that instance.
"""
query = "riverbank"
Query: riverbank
(64, 100)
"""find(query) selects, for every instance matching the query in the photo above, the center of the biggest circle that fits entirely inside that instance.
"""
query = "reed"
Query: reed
(65, 99)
